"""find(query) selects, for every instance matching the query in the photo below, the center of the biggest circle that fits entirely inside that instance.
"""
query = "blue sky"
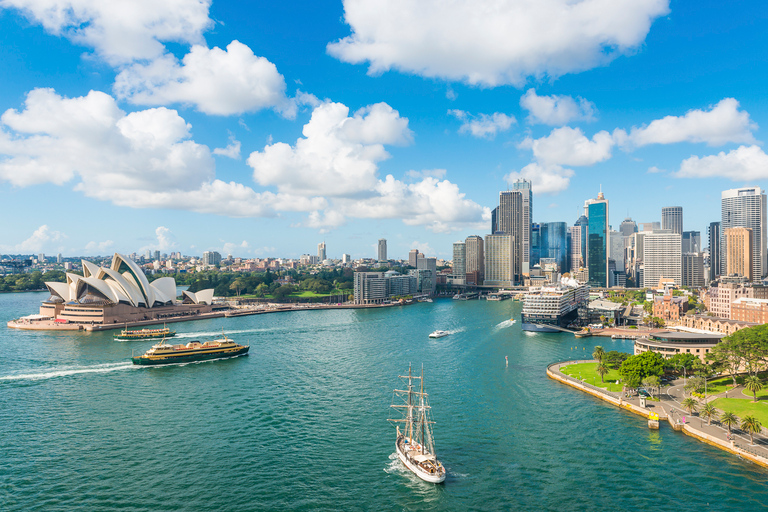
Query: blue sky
(188, 125)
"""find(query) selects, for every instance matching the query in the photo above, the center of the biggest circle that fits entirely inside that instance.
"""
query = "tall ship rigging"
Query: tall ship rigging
(415, 445)
(553, 308)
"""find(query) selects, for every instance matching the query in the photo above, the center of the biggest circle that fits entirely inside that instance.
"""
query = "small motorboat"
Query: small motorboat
(439, 334)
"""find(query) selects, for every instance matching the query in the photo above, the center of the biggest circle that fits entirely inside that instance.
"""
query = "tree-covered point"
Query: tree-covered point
(636, 368)
(745, 351)
(31, 281)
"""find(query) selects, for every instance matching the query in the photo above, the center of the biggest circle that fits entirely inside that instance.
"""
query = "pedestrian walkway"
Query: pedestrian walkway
(669, 407)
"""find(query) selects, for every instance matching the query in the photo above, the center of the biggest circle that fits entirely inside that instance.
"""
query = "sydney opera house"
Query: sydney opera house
(112, 297)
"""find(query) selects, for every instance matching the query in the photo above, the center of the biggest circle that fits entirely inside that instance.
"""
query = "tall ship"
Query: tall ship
(553, 308)
(415, 445)
(145, 334)
(163, 353)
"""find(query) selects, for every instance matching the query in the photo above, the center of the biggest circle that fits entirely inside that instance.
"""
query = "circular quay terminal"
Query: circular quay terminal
(399, 255)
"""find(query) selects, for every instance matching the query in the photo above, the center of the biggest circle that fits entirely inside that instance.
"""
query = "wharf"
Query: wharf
(50, 325)
(669, 408)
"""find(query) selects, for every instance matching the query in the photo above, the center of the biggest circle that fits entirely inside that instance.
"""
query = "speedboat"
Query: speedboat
(439, 334)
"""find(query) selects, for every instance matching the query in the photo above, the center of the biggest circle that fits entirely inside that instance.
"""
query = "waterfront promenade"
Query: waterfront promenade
(669, 408)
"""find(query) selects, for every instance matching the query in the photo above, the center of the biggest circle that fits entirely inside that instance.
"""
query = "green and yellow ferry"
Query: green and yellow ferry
(163, 353)
(145, 334)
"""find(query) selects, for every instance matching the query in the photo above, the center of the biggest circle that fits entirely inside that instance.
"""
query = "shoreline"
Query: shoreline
(553, 372)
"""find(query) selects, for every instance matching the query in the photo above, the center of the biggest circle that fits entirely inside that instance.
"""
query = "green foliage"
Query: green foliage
(695, 385)
(710, 412)
(614, 358)
(753, 384)
(651, 383)
(752, 425)
(636, 368)
(728, 419)
(29, 282)
(601, 370)
(598, 353)
(690, 404)
(676, 363)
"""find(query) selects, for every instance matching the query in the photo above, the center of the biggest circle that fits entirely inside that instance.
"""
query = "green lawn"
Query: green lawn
(720, 384)
(590, 376)
(303, 295)
(741, 408)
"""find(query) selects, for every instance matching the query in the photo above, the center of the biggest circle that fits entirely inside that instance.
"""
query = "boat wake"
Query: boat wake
(395, 466)
(203, 334)
(504, 324)
(457, 331)
(67, 371)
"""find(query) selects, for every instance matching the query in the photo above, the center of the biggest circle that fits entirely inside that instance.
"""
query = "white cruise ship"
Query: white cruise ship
(552, 308)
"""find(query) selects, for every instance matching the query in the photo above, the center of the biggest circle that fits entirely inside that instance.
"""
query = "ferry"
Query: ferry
(439, 334)
(163, 353)
(145, 334)
(552, 308)
(415, 445)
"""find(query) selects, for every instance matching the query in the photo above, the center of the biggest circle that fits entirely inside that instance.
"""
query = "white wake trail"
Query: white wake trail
(64, 372)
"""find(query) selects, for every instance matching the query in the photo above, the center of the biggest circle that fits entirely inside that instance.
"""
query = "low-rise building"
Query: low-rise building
(713, 324)
(747, 309)
(668, 343)
(670, 308)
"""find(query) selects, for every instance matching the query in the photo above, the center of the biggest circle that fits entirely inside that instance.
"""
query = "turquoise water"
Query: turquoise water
(300, 424)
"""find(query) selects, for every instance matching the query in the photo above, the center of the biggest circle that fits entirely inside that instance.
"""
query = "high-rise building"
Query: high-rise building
(58, 258)
(413, 255)
(321, 251)
(628, 227)
(662, 258)
(715, 251)
(583, 223)
(616, 252)
(157, 256)
(475, 260)
(495, 220)
(650, 226)
(459, 271)
(509, 220)
(597, 240)
(574, 242)
(345, 258)
(500, 261)
(554, 243)
(211, 258)
(691, 241)
(535, 244)
(431, 265)
(693, 269)
(746, 208)
(382, 250)
(524, 186)
(738, 258)
(672, 219)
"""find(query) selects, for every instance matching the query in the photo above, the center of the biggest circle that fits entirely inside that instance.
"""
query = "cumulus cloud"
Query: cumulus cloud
(41, 239)
(120, 32)
(97, 248)
(493, 42)
(545, 179)
(214, 81)
(556, 110)
(234, 248)
(423, 248)
(231, 151)
(144, 159)
(746, 163)
(721, 124)
(484, 125)
(433, 173)
(569, 146)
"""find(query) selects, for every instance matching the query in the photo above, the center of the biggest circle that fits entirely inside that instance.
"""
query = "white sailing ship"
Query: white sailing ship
(415, 445)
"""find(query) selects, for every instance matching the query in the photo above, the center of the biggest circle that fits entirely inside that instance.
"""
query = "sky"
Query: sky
(260, 129)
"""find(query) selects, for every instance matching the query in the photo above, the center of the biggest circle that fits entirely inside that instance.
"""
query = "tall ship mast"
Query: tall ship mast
(415, 445)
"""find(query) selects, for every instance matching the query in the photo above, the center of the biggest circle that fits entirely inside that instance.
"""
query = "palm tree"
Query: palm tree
(598, 353)
(729, 419)
(751, 425)
(753, 384)
(710, 412)
(690, 404)
(601, 370)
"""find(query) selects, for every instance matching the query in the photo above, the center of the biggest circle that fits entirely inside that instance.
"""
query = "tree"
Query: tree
(729, 419)
(709, 411)
(601, 370)
(677, 362)
(690, 404)
(726, 356)
(752, 425)
(643, 365)
(598, 353)
(614, 358)
(695, 385)
(651, 382)
(753, 384)
(237, 285)
(283, 291)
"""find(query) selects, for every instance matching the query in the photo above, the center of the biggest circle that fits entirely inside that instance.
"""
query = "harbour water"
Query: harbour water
(300, 424)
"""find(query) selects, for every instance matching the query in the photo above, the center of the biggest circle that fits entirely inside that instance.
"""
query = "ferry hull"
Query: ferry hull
(427, 477)
(120, 337)
(145, 361)
(527, 326)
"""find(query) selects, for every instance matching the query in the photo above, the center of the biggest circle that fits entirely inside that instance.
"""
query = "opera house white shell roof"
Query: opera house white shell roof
(124, 282)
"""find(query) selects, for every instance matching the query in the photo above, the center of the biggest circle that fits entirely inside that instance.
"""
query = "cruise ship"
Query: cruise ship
(552, 308)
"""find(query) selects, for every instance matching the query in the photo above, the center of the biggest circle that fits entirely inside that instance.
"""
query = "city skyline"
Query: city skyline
(117, 120)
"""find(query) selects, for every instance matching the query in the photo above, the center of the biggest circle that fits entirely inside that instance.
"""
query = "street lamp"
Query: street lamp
(684, 373)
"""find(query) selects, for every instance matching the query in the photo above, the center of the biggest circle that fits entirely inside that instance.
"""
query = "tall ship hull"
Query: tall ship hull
(427, 470)
(552, 308)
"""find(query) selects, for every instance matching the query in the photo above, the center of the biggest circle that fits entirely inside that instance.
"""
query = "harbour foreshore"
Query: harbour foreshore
(50, 325)
(667, 410)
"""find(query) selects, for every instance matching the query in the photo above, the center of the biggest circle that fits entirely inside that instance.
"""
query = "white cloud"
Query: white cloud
(721, 124)
(569, 146)
(338, 154)
(654, 170)
(426, 173)
(120, 32)
(483, 125)
(493, 42)
(144, 159)
(214, 81)
(41, 239)
(97, 248)
(545, 179)
(746, 163)
(556, 110)
(423, 248)
(234, 249)
(231, 151)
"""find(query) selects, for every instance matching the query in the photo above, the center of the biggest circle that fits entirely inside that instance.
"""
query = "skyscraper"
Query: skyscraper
(509, 221)
(738, 259)
(524, 186)
(574, 242)
(459, 272)
(715, 251)
(662, 258)
(693, 270)
(691, 241)
(475, 259)
(413, 255)
(672, 219)
(382, 250)
(746, 208)
(321, 252)
(499, 260)
(583, 223)
(628, 227)
(597, 240)
(554, 243)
